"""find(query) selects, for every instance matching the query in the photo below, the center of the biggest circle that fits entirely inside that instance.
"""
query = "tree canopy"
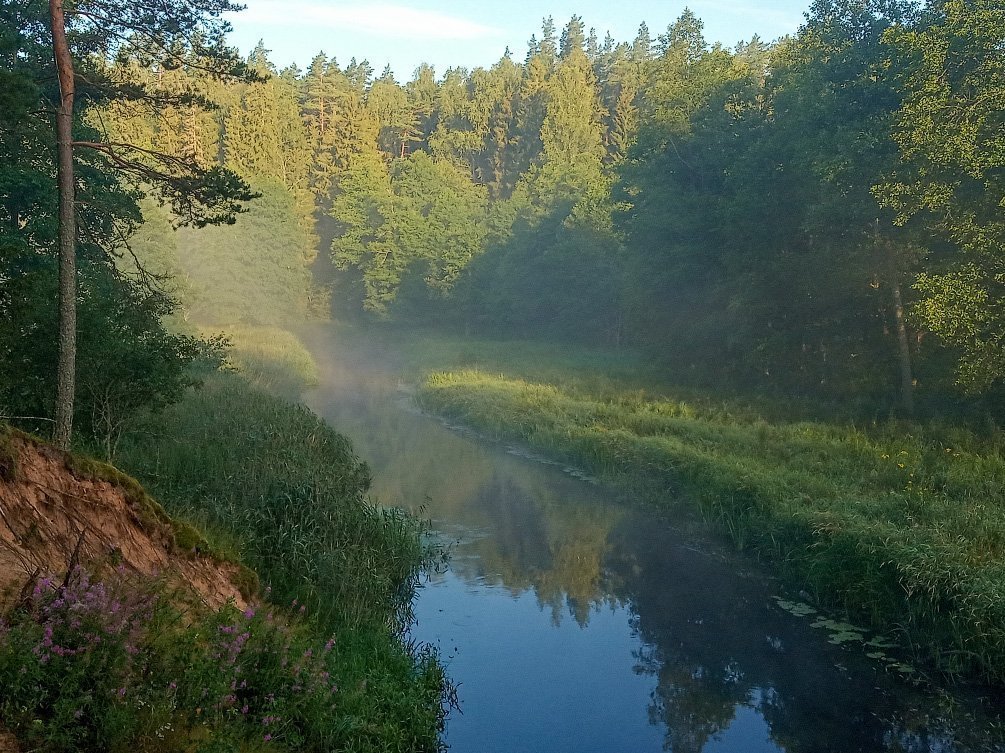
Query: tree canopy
(820, 214)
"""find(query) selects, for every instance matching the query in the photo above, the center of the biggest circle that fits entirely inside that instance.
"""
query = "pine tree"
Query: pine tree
(172, 34)
(548, 49)
(573, 38)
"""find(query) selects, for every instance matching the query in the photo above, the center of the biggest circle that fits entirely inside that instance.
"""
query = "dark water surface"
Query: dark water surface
(574, 621)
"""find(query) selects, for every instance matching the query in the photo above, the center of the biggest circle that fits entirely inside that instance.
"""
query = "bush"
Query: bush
(119, 666)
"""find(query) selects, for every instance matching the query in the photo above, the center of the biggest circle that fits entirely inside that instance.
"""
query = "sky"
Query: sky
(448, 33)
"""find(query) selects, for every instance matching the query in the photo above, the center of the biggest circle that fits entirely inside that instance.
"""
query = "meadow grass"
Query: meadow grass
(271, 358)
(902, 526)
(577, 368)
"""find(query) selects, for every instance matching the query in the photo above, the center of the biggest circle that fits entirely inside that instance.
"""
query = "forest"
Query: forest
(815, 222)
(820, 215)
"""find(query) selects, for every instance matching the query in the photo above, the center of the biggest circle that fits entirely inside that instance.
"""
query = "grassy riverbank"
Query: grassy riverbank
(899, 524)
(274, 486)
(322, 663)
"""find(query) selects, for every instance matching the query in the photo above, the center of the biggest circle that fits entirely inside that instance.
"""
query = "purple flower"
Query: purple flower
(266, 738)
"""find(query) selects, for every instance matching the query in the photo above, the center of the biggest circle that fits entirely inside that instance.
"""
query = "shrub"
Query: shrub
(117, 665)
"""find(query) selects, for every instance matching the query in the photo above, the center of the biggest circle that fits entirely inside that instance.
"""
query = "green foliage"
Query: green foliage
(182, 35)
(116, 666)
(752, 231)
(128, 363)
(253, 272)
(423, 214)
(965, 306)
(950, 184)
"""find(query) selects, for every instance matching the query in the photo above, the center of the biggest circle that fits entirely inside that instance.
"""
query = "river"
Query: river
(571, 619)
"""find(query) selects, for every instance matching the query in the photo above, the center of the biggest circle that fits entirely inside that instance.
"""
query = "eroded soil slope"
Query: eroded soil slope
(58, 511)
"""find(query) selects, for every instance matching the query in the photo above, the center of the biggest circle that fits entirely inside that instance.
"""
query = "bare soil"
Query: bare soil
(53, 518)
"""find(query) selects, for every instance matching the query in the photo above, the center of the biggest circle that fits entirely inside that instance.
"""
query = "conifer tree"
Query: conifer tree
(573, 38)
(174, 33)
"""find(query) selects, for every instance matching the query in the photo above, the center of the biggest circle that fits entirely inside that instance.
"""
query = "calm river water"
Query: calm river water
(572, 620)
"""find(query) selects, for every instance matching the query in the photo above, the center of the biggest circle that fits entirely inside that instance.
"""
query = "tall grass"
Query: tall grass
(288, 491)
(273, 484)
(902, 526)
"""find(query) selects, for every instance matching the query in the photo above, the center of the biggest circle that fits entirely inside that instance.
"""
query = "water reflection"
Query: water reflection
(573, 622)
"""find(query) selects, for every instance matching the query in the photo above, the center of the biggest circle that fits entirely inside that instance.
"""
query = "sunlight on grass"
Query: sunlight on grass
(270, 357)
(898, 524)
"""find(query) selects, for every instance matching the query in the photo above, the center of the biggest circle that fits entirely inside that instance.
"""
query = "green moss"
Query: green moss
(247, 581)
(187, 538)
(149, 513)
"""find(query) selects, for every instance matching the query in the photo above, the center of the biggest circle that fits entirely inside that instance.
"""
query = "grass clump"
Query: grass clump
(900, 525)
(271, 358)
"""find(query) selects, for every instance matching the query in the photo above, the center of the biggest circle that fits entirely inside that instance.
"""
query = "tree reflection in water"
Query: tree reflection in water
(720, 653)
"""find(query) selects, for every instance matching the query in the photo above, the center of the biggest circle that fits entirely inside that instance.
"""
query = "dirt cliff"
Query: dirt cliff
(58, 511)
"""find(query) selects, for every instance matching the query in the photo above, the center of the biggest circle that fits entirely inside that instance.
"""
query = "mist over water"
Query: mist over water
(572, 620)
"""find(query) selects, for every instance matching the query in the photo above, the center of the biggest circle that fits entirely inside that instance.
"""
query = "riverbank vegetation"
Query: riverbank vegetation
(129, 648)
(284, 492)
(180, 330)
(325, 661)
(897, 524)
(814, 221)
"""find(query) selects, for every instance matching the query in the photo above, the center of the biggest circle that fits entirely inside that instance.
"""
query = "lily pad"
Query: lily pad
(797, 608)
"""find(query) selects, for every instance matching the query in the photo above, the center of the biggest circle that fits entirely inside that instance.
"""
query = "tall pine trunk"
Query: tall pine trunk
(66, 364)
